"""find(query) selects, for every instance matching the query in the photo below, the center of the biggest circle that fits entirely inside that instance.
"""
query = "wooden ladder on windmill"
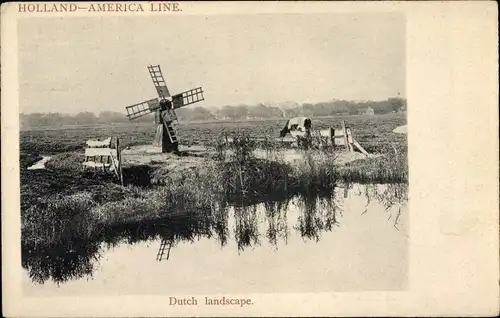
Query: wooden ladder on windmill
(164, 107)
(169, 115)
(172, 134)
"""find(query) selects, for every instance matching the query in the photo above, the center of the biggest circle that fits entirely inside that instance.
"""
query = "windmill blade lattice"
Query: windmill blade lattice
(159, 81)
(188, 97)
(142, 109)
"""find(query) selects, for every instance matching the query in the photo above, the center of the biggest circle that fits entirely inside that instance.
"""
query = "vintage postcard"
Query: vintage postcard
(249, 159)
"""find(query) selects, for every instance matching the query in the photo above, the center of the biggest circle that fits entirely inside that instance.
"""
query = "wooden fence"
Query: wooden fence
(338, 138)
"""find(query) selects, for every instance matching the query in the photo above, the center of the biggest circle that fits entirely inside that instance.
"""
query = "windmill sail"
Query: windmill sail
(158, 81)
(142, 109)
(188, 97)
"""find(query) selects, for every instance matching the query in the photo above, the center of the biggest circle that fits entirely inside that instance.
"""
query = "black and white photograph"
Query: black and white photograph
(196, 157)
(214, 154)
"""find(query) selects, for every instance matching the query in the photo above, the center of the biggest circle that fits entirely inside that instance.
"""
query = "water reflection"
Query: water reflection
(388, 195)
(246, 229)
(318, 213)
(277, 222)
(250, 226)
(61, 263)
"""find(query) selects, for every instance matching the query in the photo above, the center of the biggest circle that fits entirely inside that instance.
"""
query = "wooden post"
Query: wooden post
(344, 132)
(360, 148)
(119, 155)
(350, 139)
(112, 159)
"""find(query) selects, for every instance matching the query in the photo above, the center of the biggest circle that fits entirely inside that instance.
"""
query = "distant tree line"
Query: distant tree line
(330, 108)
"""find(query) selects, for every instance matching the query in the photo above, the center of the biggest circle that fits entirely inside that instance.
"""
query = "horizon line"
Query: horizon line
(301, 103)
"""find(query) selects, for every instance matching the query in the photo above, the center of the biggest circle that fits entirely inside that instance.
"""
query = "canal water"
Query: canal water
(354, 238)
(39, 164)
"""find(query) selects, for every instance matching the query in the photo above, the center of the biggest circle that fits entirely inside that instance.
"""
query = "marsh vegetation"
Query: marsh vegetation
(67, 213)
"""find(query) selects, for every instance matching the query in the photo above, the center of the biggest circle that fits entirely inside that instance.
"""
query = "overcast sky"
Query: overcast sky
(93, 64)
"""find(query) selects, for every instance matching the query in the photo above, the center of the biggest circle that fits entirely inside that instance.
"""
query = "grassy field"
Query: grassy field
(373, 132)
(63, 201)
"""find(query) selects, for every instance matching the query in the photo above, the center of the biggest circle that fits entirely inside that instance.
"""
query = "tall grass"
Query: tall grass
(57, 219)
(317, 170)
(241, 173)
(233, 176)
(391, 167)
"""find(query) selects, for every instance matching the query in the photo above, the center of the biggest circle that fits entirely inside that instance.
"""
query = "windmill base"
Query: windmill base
(163, 140)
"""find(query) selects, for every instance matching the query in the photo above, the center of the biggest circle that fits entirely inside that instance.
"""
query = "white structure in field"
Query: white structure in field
(105, 155)
(297, 126)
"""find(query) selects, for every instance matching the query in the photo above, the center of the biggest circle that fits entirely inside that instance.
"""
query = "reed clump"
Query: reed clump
(391, 167)
(242, 173)
(316, 170)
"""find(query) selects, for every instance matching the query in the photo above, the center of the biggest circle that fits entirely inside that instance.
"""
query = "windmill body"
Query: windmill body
(164, 108)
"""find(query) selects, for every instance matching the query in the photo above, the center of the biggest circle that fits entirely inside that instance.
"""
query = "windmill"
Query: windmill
(164, 108)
